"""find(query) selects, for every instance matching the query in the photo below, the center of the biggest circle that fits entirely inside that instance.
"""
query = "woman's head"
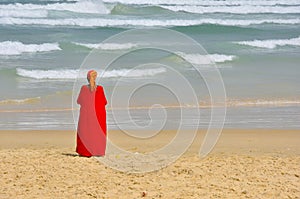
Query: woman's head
(91, 75)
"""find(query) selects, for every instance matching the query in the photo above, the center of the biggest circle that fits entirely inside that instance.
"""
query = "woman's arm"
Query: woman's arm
(101, 95)
(105, 101)
(79, 99)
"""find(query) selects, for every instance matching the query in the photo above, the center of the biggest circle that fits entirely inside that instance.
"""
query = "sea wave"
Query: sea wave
(205, 2)
(20, 101)
(106, 22)
(193, 58)
(206, 59)
(37, 110)
(108, 46)
(262, 102)
(202, 104)
(241, 9)
(82, 6)
(48, 74)
(30, 10)
(23, 13)
(73, 74)
(271, 44)
(16, 47)
(228, 103)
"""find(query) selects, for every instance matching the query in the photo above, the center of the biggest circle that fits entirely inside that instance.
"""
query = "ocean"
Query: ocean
(255, 46)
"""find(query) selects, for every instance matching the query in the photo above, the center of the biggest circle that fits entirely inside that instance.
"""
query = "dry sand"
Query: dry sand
(244, 164)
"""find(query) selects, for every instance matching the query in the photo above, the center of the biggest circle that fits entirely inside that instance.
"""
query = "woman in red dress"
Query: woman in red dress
(91, 131)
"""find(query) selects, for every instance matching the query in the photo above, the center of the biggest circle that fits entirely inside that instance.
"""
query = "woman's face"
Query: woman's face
(93, 76)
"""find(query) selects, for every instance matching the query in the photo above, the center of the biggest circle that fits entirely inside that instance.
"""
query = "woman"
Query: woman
(91, 131)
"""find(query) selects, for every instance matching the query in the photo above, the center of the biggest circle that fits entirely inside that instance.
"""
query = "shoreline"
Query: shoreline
(231, 140)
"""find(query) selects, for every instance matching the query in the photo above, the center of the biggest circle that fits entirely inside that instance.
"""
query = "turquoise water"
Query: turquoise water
(255, 44)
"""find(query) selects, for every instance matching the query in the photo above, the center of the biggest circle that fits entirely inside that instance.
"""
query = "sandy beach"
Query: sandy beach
(162, 65)
(244, 164)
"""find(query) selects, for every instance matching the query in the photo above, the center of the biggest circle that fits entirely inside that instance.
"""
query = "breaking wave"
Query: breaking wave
(73, 74)
(16, 47)
(273, 43)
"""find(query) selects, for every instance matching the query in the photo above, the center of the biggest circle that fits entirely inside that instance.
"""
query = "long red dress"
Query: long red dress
(91, 131)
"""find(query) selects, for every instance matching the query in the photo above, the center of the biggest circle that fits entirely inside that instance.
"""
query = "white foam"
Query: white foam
(103, 22)
(48, 74)
(83, 6)
(23, 13)
(272, 43)
(73, 74)
(242, 9)
(134, 72)
(20, 101)
(206, 59)
(16, 47)
(262, 102)
(108, 46)
(218, 58)
(205, 2)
